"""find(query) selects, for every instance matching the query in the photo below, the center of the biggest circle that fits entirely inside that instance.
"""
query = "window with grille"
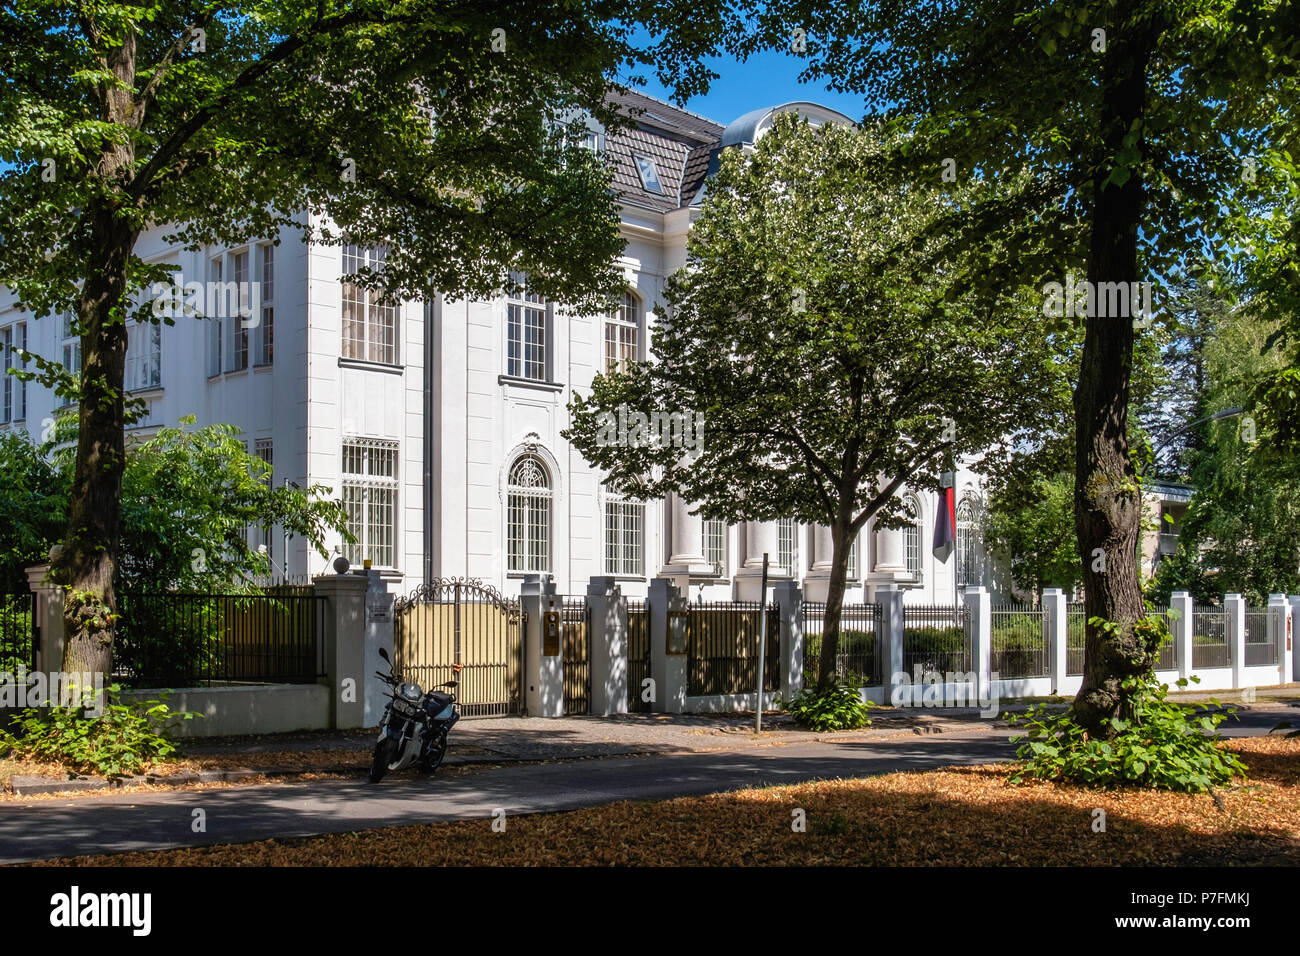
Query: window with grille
(851, 574)
(370, 499)
(262, 448)
(623, 335)
(624, 537)
(526, 334)
(912, 535)
(528, 516)
(715, 544)
(787, 551)
(7, 356)
(968, 544)
(266, 302)
(215, 325)
(143, 356)
(71, 353)
(369, 319)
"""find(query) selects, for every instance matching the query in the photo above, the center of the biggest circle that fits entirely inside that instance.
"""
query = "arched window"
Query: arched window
(623, 335)
(528, 516)
(912, 534)
(968, 544)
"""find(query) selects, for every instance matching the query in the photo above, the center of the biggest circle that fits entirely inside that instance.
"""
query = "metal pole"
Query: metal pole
(762, 646)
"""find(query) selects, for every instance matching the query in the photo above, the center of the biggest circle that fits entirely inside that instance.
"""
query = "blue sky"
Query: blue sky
(766, 79)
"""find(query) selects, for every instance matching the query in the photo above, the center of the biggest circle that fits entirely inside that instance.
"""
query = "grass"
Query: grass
(955, 817)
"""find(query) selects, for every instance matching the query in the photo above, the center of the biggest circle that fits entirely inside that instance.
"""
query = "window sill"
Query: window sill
(152, 391)
(530, 383)
(371, 366)
(263, 366)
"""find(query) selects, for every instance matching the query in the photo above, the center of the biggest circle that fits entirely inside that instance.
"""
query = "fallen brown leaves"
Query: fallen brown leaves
(957, 817)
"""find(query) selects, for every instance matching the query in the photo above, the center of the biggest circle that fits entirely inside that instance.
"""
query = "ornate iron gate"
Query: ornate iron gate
(638, 656)
(576, 656)
(462, 629)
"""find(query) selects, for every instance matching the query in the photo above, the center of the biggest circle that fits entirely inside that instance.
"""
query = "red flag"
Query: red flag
(945, 524)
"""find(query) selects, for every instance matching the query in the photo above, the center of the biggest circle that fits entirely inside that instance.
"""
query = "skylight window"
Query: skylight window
(649, 174)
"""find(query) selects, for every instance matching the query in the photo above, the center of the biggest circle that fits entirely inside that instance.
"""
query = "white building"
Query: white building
(439, 424)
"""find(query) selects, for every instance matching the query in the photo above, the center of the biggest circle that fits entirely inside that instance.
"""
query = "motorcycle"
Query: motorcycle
(414, 727)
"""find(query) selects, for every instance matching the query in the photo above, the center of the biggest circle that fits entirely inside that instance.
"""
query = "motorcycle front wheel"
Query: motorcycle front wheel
(385, 752)
(430, 763)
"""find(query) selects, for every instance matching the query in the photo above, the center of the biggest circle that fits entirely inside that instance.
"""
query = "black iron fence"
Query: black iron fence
(722, 648)
(1166, 656)
(858, 658)
(1076, 634)
(17, 633)
(1209, 638)
(1019, 641)
(638, 656)
(1261, 649)
(576, 655)
(937, 639)
(194, 640)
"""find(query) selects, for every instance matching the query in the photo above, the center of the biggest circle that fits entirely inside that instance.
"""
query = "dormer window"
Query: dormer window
(649, 174)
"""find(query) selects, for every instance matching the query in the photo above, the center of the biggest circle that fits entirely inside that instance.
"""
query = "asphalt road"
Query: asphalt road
(46, 829)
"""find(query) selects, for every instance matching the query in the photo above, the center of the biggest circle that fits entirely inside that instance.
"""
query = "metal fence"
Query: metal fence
(722, 648)
(638, 656)
(1076, 637)
(193, 640)
(1261, 649)
(1019, 641)
(857, 658)
(1209, 638)
(937, 639)
(1166, 656)
(576, 656)
(17, 633)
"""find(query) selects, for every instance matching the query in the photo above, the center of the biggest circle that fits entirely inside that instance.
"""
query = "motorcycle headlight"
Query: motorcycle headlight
(411, 692)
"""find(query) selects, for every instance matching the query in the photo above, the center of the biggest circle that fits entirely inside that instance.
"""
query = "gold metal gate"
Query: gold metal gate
(461, 629)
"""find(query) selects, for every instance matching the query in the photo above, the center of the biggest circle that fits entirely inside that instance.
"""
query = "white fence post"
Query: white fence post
(1058, 643)
(1280, 624)
(345, 645)
(1234, 624)
(608, 616)
(789, 602)
(379, 633)
(1294, 674)
(981, 619)
(543, 647)
(47, 614)
(1181, 630)
(890, 599)
(667, 609)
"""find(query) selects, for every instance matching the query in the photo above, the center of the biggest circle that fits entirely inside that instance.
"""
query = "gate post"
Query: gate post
(543, 647)
(668, 653)
(608, 610)
(1280, 618)
(789, 602)
(1234, 625)
(897, 689)
(1058, 638)
(345, 646)
(379, 633)
(47, 616)
(1181, 630)
(981, 622)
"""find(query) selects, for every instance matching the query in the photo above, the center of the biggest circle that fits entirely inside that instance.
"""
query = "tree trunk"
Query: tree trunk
(1107, 515)
(88, 562)
(840, 537)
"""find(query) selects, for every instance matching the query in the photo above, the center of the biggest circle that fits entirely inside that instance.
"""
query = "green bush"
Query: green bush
(857, 650)
(839, 708)
(118, 743)
(935, 648)
(1162, 746)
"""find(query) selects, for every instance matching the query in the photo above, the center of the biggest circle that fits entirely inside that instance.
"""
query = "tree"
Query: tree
(436, 127)
(1147, 125)
(831, 353)
(1036, 532)
(189, 497)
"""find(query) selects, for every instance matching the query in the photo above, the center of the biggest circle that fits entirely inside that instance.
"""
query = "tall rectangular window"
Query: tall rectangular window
(369, 319)
(262, 448)
(7, 356)
(215, 323)
(71, 352)
(622, 335)
(715, 544)
(20, 362)
(266, 298)
(624, 537)
(912, 536)
(239, 321)
(370, 499)
(787, 551)
(851, 574)
(143, 356)
(526, 334)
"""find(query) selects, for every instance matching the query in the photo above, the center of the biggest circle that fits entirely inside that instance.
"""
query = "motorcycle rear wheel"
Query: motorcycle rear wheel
(385, 751)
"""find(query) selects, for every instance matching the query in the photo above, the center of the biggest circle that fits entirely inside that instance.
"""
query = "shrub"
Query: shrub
(1162, 746)
(838, 708)
(937, 649)
(118, 743)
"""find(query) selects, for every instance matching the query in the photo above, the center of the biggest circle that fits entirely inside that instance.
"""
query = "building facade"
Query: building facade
(438, 423)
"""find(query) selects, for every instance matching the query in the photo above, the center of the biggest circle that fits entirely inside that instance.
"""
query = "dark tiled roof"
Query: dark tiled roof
(679, 142)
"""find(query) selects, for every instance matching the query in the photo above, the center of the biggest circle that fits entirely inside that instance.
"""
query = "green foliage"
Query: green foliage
(123, 740)
(1161, 745)
(1036, 531)
(188, 497)
(934, 648)
(840, 707)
